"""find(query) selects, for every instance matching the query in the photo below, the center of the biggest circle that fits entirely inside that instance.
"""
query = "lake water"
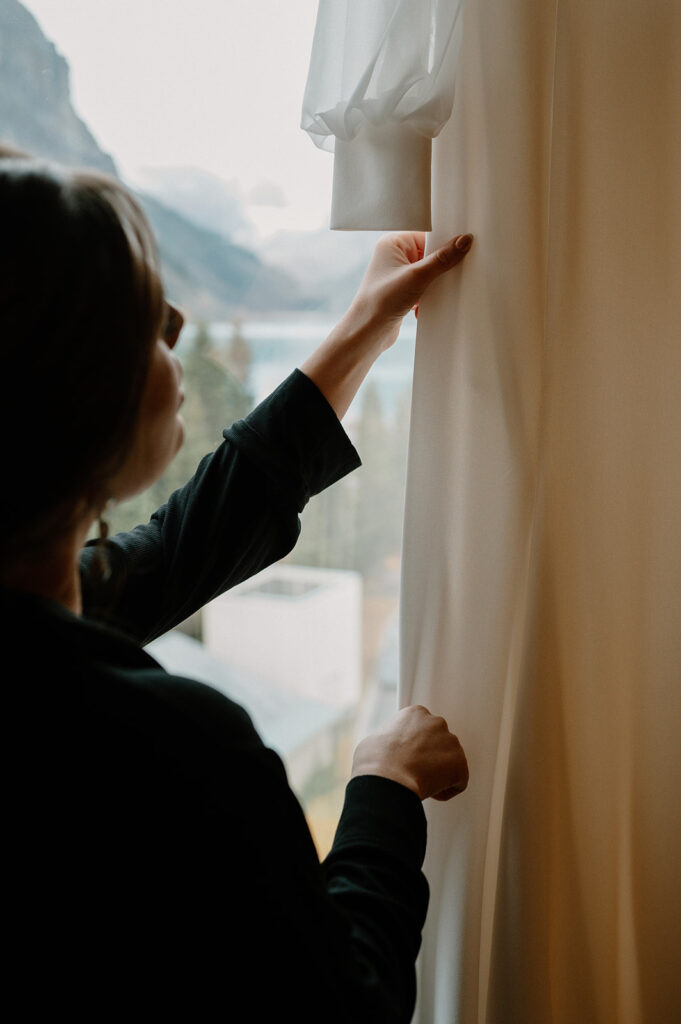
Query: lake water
(278, 346)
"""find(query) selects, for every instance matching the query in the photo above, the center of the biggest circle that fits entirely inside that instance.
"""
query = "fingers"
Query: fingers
(447, 794)
(439, 766)
(412, 244)
(461, 779)
(443, 259)
(447, 256)
(417, 750)
(423, 270)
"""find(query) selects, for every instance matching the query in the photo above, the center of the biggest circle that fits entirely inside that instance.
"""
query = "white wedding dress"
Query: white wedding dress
(541, 599)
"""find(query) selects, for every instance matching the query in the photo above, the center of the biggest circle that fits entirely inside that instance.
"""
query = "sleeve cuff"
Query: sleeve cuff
(381, 180)
(383, 813)
(296, 439)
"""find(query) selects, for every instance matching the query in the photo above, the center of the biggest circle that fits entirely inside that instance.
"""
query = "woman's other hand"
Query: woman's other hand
(417, 750)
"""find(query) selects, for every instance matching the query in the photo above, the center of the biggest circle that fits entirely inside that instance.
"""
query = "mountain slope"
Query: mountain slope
(35, 102)
(212, 277)
(203, 271)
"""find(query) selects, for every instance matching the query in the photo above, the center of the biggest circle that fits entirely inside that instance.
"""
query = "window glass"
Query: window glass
(197, 108)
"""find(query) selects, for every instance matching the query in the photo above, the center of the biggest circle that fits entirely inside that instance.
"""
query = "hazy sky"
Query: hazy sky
(213, 83)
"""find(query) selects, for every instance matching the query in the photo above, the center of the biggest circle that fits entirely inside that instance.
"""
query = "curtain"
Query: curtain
(541, 591)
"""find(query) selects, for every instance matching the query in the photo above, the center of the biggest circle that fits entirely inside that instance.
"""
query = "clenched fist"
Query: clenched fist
(416, 749)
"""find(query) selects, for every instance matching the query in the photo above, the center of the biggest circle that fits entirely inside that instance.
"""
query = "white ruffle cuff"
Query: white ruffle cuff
(380, 87)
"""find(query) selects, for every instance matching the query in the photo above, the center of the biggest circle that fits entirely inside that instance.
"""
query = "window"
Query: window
(201, 118)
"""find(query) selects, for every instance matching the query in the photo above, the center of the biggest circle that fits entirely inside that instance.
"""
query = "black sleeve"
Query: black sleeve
(373, 875)
(238, 514)
(257, 913)
(182, 878)
(349, 930)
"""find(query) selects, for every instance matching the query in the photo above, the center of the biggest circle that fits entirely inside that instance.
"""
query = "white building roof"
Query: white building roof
(284, 720)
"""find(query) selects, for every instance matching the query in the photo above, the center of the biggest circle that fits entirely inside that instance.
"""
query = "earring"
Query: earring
(101, 551)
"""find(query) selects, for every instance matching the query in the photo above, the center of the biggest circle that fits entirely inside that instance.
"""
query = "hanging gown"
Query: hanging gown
(541, 594)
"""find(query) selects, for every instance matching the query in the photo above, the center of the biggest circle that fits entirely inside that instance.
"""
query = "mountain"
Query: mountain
(330, 264)
(205, 273)
(212, 278)
(200, 196)
(35, 102)
(327, 265)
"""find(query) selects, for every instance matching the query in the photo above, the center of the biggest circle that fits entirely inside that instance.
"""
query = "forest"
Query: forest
(356, 524)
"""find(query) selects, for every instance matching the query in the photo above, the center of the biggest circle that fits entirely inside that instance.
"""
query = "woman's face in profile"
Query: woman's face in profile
(160, 429)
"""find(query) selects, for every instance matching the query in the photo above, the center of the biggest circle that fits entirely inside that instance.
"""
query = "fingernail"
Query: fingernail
(464, 242)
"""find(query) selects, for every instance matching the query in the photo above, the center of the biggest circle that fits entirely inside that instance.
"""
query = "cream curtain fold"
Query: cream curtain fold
(541, 596)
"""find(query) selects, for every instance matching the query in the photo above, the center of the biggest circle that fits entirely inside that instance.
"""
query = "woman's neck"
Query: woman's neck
(53, 572)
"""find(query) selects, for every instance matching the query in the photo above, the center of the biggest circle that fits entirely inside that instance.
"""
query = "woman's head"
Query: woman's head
(81, 312)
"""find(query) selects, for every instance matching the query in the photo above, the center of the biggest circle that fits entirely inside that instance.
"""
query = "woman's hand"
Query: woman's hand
(399, 274)
(417, 750)
(396, 278)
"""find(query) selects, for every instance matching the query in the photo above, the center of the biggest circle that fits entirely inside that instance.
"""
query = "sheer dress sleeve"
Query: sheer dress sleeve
(380, 88)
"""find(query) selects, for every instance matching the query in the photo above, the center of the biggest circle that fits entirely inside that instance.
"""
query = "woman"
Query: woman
(158, 862)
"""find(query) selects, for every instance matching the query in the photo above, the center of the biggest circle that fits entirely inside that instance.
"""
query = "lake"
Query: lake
(278, 346)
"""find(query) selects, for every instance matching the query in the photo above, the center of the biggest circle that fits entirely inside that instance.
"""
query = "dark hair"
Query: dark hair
(81, 305)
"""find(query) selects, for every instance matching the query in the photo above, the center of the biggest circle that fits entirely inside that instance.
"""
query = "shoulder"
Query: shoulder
(86, 693)
(167, 721)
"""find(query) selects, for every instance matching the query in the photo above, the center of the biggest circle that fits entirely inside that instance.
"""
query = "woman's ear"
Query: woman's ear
(174, 322)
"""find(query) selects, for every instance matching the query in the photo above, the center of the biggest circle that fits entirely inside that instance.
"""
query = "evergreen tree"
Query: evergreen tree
(357, 523)
(238, 353)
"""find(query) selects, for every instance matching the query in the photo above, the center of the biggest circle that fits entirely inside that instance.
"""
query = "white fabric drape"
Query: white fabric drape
(541, 601)
(380, 87)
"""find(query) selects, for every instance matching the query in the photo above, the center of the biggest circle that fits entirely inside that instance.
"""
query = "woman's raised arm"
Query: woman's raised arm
(396, 278)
